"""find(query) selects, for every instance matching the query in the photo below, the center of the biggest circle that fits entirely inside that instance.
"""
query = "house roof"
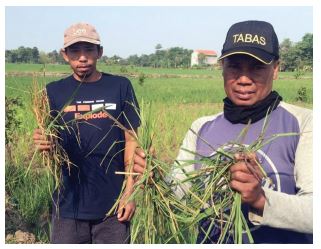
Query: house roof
(206, 52)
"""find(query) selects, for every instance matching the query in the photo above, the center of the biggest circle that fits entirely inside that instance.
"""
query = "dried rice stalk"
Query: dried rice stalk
(52, 159)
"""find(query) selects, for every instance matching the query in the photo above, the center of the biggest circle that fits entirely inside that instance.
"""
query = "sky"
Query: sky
(132, 30)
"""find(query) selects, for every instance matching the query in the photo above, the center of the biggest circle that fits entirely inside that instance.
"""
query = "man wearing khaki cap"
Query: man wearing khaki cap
(94, 144)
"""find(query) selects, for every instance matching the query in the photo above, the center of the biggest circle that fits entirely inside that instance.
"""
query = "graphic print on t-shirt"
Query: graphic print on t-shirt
(93, 109)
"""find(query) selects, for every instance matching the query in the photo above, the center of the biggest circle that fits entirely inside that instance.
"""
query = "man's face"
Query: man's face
(247, 80)
(82, 57)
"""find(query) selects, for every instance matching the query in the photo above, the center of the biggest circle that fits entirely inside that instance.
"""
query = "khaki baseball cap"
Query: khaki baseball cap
(81, 32)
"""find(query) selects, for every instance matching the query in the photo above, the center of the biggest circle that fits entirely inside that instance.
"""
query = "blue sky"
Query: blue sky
(136, 30)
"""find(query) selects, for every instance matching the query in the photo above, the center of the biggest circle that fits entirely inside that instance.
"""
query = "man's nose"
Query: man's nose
(83, 55)
(245, 78)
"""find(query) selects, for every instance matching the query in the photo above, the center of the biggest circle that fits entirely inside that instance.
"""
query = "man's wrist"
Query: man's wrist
(259, 203)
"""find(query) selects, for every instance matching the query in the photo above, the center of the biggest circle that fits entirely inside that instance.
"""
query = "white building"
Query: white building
(210, 57)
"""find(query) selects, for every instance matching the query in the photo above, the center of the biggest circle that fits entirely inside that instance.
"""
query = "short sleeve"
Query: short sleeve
(130, 110)
(50, 95)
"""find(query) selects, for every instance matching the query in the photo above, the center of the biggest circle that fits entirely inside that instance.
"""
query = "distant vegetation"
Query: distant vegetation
(294, 56)
(297, 56)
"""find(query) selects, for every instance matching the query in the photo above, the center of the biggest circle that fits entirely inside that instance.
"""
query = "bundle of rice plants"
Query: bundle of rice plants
(54, 158)
(210, 192)
(159, 214)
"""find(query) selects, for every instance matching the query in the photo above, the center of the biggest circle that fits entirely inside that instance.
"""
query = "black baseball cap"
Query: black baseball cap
(253, 38)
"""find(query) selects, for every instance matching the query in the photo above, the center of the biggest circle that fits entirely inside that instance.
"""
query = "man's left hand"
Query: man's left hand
(246, 179)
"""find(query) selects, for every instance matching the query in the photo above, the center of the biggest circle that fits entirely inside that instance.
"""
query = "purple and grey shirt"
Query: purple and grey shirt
(287, 215)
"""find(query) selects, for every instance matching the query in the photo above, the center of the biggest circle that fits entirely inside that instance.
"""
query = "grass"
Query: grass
(168, 90)
(24, 67)
(117, 69)
(30, 200)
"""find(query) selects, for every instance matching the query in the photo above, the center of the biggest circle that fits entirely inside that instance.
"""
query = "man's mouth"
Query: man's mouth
(244, 95)
(83, 68)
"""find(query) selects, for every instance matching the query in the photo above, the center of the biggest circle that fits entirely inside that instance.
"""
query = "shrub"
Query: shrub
(12, 120)
(302, 95)
(298, 74)
(123, 69)
(141, 79)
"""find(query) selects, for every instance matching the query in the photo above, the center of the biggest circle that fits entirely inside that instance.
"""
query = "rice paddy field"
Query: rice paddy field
(178, 97)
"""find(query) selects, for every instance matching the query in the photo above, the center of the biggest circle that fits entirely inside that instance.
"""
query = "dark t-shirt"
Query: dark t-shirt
(94, 143)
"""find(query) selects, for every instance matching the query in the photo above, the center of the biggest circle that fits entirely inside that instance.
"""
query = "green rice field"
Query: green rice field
(178, 97)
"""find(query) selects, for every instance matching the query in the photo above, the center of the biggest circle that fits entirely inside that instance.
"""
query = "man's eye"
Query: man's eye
(74, 50)
(232, 66)
(259, 67)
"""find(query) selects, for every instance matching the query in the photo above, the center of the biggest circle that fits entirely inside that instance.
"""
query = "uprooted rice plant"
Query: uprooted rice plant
(159, 213)
(211, 193)
(54, 158)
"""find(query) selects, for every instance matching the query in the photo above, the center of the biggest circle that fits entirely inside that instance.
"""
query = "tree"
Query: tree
(287, 55)
(104, 59)
(297, 56)
(158, 55)
(158, 47)
(53, 57)
(133, 60)
(35, 55)
(153, 60)
(144, 60)
(22, 55)
(305, 50)
(11, 56)
(43, 58)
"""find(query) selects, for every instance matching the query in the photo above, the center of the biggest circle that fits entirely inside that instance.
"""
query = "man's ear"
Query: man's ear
(64, 55)
(222, 65)
(100, 52)
(276, 69)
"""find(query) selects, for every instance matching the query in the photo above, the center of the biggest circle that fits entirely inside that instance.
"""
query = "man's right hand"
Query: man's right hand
(41, 141)
(139, 161)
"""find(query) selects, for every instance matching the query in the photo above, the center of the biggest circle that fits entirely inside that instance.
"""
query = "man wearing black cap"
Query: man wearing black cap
(280, 212)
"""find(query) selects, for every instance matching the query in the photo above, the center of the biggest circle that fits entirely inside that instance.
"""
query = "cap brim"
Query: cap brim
(258, 54)
(81, 39)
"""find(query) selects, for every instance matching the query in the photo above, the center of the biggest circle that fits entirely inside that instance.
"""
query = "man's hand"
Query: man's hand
(126, 209)
(246, 179)
(41, 141)
(139, 161)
